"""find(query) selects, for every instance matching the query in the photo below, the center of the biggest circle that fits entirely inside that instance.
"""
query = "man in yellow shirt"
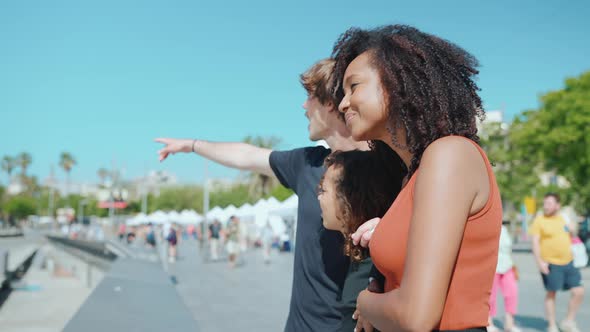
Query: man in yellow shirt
(552, 249)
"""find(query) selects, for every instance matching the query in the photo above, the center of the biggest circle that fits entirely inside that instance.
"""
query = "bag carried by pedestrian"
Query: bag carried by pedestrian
(579, 252)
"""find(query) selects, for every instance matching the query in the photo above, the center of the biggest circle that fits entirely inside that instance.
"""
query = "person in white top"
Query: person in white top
(505, 280)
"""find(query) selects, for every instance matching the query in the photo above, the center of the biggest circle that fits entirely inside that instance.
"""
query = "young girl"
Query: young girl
(437, 245)
(357, 186)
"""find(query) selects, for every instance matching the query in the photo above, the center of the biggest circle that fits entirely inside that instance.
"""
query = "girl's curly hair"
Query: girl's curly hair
(366, 185)
(428, 83)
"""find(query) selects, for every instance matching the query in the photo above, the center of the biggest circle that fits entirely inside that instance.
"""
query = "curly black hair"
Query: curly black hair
(428, 82)
(366, 186)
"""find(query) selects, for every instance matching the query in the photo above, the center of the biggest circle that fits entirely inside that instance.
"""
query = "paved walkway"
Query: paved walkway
(251, 297)
(53, 289)
(531, 295)
(255, 296)
(18, 248)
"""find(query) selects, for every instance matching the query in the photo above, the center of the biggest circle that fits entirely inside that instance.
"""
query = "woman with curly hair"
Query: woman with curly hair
(437, 245)
(357, 186)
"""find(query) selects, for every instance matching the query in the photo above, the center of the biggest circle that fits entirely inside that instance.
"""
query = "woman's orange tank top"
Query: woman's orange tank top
(469, 291)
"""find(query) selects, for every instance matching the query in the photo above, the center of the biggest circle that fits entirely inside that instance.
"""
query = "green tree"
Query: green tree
(262, 184)
(177, 198)
(90, 206)
(238, 194)
(24, 160)
(67, 162)
(133, 207)
(281, 193)
(191, 197)
(2, 198)
(20, 207)
(516, 173)
(32, 186)
(558, 136)
(8, 165)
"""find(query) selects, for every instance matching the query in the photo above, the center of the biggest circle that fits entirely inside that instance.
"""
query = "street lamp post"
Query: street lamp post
(81, 210)
(205, 223)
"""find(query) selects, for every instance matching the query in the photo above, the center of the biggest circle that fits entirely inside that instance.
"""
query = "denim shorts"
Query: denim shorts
(562, 277)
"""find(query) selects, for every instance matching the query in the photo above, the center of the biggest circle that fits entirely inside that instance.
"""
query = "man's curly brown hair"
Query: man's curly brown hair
(316, 81)
(365, 187)
(428, 83)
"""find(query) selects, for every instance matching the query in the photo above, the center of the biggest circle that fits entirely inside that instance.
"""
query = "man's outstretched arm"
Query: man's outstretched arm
(238, 155)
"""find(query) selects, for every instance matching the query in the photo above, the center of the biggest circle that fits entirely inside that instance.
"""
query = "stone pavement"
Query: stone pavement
(51, 292)
(251, 297)
(134, 295)
(18, 248)
(531, 310)
(255, 296)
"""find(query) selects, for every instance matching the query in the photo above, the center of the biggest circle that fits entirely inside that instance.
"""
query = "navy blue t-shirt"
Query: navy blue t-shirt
(320, 265)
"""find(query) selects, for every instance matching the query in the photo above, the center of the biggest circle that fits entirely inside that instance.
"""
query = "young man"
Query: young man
(320, 266)
(552, 249)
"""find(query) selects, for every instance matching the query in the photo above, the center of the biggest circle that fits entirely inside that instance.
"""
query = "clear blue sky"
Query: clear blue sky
(101, 79)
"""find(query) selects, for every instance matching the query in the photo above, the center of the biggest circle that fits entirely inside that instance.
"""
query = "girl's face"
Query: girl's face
(364, 105)
(328, 201)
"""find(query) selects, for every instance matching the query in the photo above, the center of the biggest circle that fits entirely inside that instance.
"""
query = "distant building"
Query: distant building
(150, 184)
(494, 116)
(15, 186)
(492, 119)
(76, 188)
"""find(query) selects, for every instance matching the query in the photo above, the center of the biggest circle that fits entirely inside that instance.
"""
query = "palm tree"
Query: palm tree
(67, 162)
(261, 184)
(8, 164)
(102, 173)
(24, 160)
(32, 186)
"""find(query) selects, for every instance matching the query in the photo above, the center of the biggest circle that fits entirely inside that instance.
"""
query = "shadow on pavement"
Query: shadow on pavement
(530, 322)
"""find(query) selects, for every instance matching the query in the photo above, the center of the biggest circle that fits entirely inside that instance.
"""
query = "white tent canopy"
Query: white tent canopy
(265, 210)
(215, 213)
(273, 203)
(158, 217)
(288, 208)
(245, 210)
(271, 211)
(277, 223)
(141, 217)
(190, 217)
(261, 205)
(173, 217)
(229, 211)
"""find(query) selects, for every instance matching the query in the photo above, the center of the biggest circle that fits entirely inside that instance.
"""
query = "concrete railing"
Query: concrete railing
(9, 276)
(11, 232)
(96, 248)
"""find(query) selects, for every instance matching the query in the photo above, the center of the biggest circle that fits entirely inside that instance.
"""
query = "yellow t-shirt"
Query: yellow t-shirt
(555, 240)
